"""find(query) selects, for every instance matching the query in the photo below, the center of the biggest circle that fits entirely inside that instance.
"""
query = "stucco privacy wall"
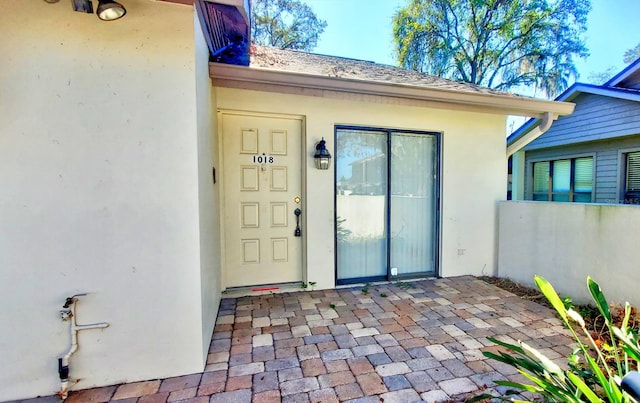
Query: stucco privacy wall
(99, 147)
(566, 242)
(473, 173)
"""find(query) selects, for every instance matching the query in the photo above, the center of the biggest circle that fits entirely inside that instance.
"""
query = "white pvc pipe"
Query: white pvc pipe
(74, 328)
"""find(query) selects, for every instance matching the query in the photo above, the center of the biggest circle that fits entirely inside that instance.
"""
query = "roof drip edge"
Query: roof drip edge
(508, 104)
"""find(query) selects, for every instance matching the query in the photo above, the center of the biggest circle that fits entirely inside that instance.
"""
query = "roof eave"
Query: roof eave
(612, 92)
(570, 94)
(221, 73)
(625, 73)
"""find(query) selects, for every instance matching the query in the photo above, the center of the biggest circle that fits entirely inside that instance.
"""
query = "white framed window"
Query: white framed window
(563, 180)
(631, 180)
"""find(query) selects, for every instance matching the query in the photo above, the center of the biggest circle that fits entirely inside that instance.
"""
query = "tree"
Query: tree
(287, 24)
(500, 44)
(632, 54)
(602, 77)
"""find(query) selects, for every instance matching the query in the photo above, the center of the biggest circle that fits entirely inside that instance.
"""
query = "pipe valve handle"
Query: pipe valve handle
(68, 302)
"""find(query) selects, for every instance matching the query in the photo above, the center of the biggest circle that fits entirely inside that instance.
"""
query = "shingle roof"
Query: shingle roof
(332, 66)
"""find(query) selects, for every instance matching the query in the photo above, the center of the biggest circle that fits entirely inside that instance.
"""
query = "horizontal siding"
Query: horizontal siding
(595, 118)
(607, 163)
(606, 175)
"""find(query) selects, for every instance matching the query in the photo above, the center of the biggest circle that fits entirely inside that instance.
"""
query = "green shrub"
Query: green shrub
(594, 369)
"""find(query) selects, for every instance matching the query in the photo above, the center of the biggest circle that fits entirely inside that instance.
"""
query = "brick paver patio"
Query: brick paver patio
(400, 342)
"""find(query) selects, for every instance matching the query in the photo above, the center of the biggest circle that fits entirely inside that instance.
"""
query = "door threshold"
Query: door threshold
(263, 289)
(382, 282)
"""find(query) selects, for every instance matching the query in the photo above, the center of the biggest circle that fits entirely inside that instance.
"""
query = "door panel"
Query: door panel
(262, 178)
(412, 203)
(361, 166)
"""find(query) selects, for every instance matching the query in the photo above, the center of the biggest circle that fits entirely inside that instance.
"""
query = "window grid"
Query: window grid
(632, 178)
(564, 180)
(633, 171)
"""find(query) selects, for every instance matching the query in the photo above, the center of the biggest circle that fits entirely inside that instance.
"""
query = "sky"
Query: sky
(361, 29)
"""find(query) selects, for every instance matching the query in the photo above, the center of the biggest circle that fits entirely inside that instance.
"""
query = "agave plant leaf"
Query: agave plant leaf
(575, 316)
(615, 394)
(593, 398)
(627, 315)
(480, 398)
(630, 343)
(525, 362)
(510, 346)
(552, 296)
(631, 352)
(552, 388)
(602, 378)
(603, 307)
(599, 299)
(519, 360)
(520, 386)
(548, 365)
(625, 328)
(516, 359)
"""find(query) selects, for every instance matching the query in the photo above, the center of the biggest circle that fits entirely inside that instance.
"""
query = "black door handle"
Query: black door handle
(297, 232)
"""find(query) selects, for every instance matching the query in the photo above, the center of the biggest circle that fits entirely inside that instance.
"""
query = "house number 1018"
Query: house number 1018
(263, 159)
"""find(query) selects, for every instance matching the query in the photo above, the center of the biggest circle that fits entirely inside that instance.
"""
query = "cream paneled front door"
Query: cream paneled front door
(262, 190)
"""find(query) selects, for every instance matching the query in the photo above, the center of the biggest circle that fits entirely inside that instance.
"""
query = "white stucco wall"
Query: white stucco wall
(566, 242)
(208, 191)
(99, 141)
(473, 173)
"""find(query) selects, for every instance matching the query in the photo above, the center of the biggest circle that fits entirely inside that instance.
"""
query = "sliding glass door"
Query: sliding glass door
(361, 224)
(413, 201)
(386, 184)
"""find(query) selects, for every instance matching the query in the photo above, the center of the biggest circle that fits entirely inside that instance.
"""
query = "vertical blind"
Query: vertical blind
(633, 171)
(412, 202)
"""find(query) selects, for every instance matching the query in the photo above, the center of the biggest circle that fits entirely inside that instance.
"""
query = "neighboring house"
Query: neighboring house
(136, 170)
(593, 155)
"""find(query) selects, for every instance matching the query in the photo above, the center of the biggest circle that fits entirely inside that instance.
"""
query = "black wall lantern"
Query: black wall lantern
(322, 157)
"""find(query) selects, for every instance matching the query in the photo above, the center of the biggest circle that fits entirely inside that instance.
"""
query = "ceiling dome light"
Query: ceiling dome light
(109, 10)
